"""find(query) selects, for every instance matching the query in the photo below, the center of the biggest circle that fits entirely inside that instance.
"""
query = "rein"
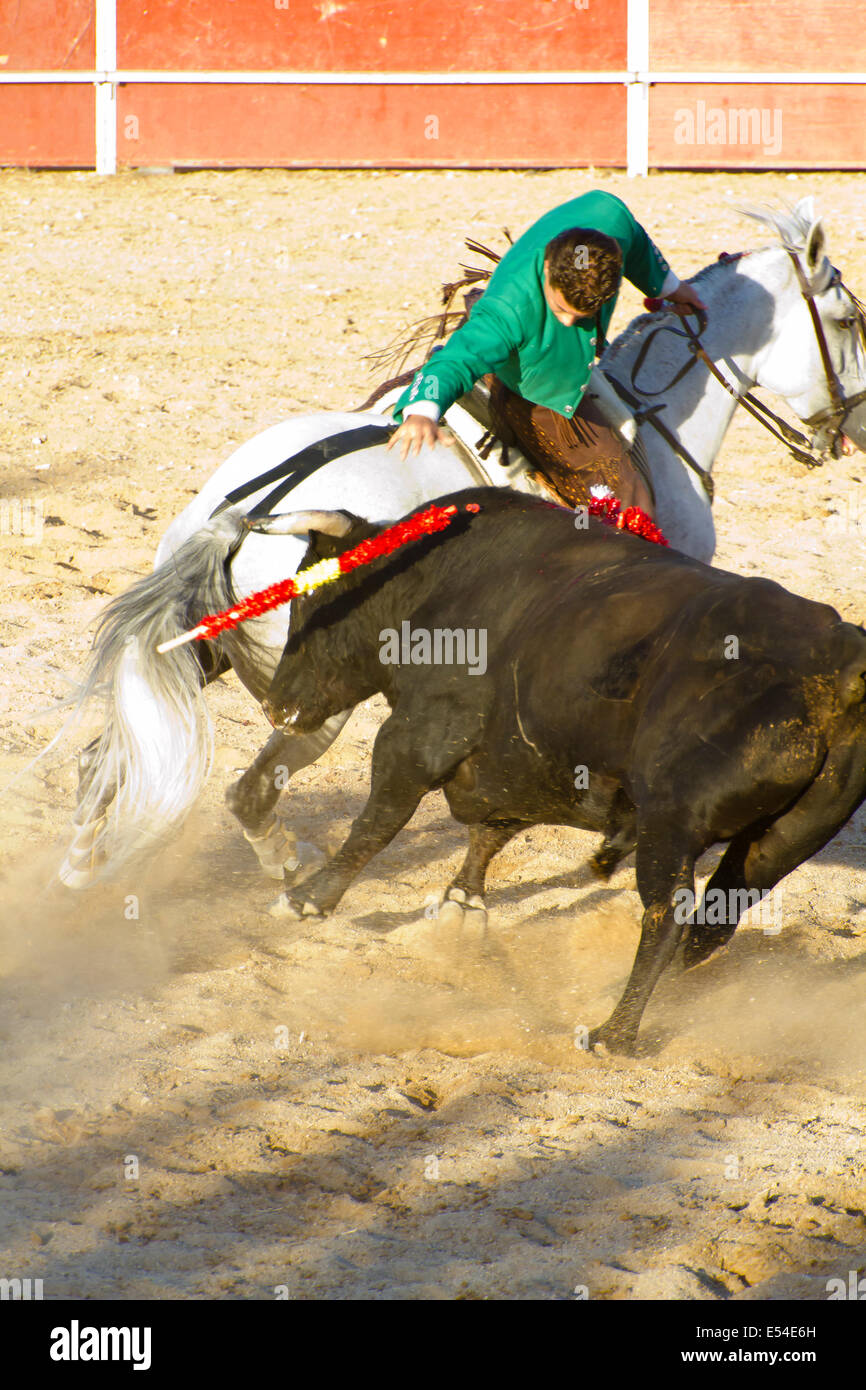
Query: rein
(796, 442)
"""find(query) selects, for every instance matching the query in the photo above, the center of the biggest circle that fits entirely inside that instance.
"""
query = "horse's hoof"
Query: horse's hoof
(73, 877)
(306, 861)
(280, 852)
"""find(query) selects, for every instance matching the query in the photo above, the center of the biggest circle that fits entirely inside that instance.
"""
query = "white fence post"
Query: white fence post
(637, 91)
(106, 87)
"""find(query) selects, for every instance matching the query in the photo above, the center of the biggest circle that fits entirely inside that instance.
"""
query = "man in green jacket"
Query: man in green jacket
(537, 328)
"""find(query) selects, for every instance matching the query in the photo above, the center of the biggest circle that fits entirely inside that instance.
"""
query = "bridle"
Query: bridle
(837, 413)
(834, 415)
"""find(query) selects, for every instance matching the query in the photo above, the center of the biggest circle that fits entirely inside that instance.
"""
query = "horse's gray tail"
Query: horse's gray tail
(148, 766)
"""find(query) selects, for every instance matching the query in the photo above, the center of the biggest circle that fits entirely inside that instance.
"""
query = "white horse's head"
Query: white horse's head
(793, 365)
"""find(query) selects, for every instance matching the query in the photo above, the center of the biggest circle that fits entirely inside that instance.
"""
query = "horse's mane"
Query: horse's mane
(792, 224)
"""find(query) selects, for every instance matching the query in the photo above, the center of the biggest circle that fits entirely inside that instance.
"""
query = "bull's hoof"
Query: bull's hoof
(290, 905)
(602, 866)
(694, 950)
(463, 912)
(280, 853)
(606, 1040)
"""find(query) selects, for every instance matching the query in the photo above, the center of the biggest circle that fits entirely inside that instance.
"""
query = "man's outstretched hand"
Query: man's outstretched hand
(415, 432)
(686, 299)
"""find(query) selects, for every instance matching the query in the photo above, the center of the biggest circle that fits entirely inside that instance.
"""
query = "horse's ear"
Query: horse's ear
(804, 210)
(815, 243)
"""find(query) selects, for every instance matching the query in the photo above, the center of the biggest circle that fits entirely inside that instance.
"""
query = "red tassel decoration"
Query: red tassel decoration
(424, 523)
(634, 519)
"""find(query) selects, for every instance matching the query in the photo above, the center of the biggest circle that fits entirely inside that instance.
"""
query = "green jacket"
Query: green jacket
(511, 330)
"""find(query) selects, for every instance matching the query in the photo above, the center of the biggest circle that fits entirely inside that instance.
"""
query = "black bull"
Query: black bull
(705, 708)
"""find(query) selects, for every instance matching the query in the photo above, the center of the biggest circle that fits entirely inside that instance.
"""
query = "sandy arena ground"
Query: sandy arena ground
(201, 1102)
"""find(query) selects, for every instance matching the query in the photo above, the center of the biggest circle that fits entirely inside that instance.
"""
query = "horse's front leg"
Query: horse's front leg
(82, 859)
(255, 794)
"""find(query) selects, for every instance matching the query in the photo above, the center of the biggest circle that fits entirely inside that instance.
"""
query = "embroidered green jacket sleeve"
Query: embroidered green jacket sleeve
(511, 330)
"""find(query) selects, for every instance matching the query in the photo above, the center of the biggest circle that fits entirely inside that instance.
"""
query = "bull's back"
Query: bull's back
(603, 646)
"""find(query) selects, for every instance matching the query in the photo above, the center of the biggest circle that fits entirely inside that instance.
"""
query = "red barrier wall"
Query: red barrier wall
(369, 126)
(692, 125)
(46, 124)
(757, 126)
(373, 35)
(758, 35)
(41, 35)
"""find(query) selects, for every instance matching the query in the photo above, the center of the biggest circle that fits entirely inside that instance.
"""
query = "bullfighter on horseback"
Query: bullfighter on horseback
(534, 333)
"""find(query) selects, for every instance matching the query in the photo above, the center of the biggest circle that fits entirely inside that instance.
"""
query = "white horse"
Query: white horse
(145, 771)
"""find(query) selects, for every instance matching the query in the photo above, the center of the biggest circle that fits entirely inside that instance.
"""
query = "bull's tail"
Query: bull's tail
(145, 770)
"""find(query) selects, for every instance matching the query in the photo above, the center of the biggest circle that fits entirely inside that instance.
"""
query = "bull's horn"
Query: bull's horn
(296, 523)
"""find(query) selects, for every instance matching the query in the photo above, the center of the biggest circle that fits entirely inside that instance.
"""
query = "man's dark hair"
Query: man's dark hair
(585, 266)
